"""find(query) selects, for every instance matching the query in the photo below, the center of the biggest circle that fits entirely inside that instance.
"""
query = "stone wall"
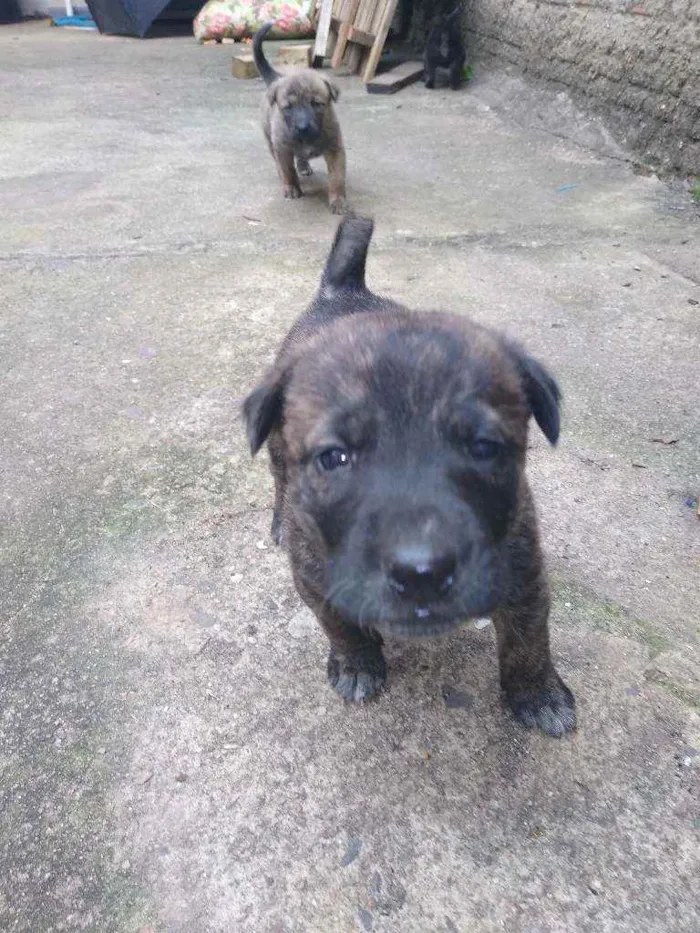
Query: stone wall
(635, 61)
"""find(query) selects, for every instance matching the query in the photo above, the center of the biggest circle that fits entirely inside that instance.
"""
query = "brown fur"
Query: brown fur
(332, 369)
(305, 92)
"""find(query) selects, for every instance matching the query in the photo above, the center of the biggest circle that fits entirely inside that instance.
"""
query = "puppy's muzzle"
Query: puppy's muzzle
(304, 125)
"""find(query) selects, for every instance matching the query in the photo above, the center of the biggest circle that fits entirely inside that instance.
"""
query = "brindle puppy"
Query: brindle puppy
(299, 123)
(397, 443)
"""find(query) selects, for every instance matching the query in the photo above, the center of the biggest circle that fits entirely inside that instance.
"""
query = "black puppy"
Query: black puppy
(445, 49)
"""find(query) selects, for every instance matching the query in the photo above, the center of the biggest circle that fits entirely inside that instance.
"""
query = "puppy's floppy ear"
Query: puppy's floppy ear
(333, 89)
(542, 392)
(262, 410)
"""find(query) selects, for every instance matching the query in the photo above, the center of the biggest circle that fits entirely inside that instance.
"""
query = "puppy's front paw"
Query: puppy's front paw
(303, 168)
(338, 205)
(552, 707)
(359, 676)
(292, 191)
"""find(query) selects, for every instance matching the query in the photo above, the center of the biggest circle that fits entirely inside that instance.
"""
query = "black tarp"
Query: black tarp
(10, 11)
(135, 17)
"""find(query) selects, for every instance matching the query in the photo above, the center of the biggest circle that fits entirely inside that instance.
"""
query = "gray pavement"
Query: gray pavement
(171, 757)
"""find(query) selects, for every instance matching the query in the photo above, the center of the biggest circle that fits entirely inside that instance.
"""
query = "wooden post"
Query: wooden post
(322, 30)
(342, 39)
(381, 34)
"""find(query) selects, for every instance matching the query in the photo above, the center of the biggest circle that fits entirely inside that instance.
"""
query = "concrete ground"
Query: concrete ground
(171, 757)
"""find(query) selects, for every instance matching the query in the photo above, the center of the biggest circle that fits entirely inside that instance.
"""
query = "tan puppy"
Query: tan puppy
(299, 123)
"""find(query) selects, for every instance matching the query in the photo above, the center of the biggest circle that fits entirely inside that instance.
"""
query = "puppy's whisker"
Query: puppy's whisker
(342, 586)
(345, 583)
(366, 602)
(368, 609)
(514, 630)
(380, 610)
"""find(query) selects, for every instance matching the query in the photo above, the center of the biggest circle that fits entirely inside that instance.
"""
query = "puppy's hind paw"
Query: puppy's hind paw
(359, 676)
(551, 708)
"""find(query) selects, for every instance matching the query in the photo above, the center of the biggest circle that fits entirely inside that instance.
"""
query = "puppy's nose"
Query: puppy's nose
(420, 572)
(304, 126)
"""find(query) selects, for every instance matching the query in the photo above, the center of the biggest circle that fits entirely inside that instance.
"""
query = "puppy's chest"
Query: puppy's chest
(308, 151)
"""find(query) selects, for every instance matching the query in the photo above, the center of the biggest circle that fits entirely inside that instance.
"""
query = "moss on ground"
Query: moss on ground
(574, 605)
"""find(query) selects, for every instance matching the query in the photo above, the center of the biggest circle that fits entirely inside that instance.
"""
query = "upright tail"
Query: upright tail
(267, 72)
(345, 266)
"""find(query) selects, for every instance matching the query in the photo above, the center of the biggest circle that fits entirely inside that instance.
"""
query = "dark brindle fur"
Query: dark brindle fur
(397, 442)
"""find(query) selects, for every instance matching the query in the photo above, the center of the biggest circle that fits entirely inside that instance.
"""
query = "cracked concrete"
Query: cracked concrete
(171, 758)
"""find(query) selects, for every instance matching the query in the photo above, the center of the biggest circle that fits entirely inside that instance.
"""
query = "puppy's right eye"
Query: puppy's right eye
(482, 448)
(333, 459)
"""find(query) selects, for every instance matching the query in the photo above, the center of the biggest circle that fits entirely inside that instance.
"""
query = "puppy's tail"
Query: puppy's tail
(267, 72)
(345, 266)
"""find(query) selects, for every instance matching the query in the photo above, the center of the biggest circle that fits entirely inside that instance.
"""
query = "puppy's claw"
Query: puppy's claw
(338, 206)
(552, 708)
(357, 677)
(292, 191)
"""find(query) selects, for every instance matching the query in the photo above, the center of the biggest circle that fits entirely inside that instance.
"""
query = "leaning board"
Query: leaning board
(360, 28)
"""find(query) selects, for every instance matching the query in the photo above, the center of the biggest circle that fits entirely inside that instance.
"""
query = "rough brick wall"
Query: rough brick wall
(637, 61)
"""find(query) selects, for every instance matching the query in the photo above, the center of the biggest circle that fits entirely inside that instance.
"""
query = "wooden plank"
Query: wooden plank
(361, 37)
(354, 58)
(348, 15)
(392, 81)
(366, 13)
(358, 33)
(368, 18)
(322, 30)
(242, 65)
(378, 47)
(363, 19)
(297, 55)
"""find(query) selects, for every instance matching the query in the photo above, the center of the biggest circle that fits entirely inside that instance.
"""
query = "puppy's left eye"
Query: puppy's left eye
(484, 448)
(333, 459)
